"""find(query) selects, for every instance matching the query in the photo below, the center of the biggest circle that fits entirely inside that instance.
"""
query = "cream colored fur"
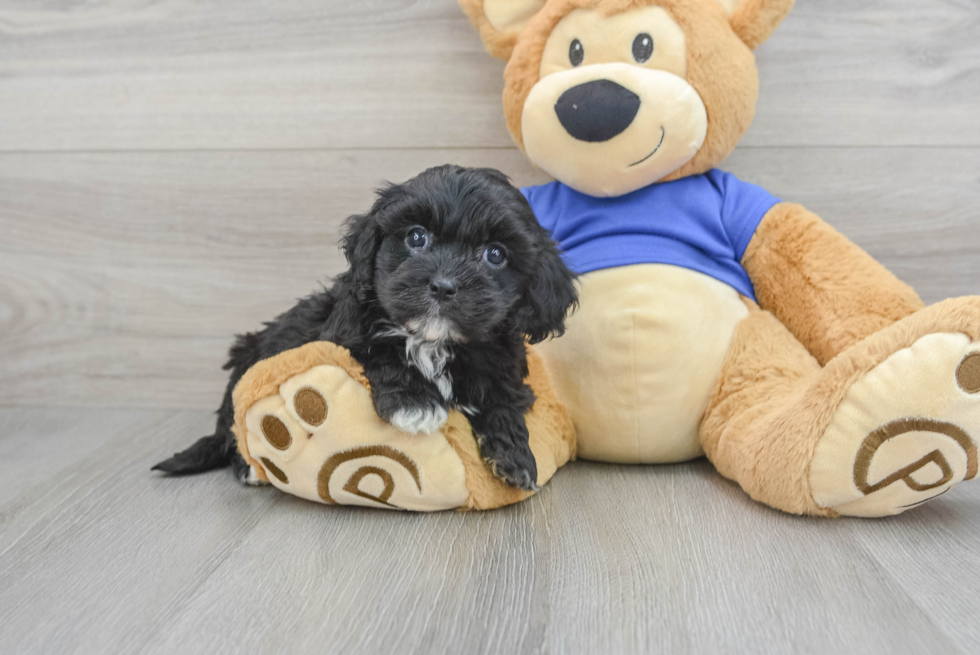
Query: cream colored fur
(640, 359)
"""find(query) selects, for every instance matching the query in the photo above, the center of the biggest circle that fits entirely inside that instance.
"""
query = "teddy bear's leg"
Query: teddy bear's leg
(887, 425)
(826, 290)
(305, 422)
(312, 431)
(765, 376)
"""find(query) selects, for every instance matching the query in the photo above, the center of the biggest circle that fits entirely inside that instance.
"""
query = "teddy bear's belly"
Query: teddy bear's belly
(640, 358)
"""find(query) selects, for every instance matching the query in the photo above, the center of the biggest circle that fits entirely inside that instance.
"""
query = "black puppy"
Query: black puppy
(450, 275)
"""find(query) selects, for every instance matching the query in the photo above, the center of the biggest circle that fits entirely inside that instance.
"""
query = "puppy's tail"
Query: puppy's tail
(207, 453)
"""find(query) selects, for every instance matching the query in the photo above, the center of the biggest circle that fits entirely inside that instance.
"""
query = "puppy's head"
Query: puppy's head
(456, 255)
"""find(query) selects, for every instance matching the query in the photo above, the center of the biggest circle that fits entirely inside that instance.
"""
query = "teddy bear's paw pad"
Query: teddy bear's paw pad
(319, 438)
(968, 373)
(906, 432)
(275, 429)
(310, 406)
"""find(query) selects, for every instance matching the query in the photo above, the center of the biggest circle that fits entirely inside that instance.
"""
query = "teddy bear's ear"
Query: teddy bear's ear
(755, 20)
(499, 22)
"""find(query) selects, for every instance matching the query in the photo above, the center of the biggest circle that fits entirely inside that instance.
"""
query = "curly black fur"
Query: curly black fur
(437, 325)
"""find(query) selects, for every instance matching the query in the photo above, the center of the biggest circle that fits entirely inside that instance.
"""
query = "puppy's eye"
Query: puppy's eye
(495, 256)
(417, 238)
(576, 53)
(642, 47)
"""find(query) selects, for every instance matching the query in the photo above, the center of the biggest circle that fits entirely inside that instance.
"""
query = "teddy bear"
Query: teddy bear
(714, 319)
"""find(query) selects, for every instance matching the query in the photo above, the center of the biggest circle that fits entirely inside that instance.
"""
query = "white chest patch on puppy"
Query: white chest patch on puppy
(431, 358)
(427, 349)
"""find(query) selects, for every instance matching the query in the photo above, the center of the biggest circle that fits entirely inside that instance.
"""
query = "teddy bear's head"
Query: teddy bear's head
(609, 96)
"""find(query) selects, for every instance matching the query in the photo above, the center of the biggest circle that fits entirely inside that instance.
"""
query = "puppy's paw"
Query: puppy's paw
(410, 411)
(514, 464)
(424, 419)
(253, 480)
(245, 473)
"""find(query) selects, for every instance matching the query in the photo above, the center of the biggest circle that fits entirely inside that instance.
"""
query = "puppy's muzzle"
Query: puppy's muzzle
(443, 288)
(597, 111)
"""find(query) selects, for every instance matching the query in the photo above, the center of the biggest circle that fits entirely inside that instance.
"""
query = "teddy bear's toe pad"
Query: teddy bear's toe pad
(968, 373)
(319, 438)
(905, 433)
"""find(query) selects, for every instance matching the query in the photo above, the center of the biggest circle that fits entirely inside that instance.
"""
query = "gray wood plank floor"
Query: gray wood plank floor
(101, 557)
(173, 172)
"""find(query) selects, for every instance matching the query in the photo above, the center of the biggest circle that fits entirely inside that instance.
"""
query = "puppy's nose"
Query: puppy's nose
(597, 111)
(443, 288)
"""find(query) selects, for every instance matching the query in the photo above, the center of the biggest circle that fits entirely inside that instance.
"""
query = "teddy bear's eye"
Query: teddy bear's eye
(642, 47)
(576, 53)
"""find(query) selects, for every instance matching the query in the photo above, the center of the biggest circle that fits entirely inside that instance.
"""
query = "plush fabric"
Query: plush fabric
(305, 421)
(825, 289)
(774, 406)
(839, 393)
(500, 21)
(573, 114)
(720, 67)
(640, 358)
(754, 21)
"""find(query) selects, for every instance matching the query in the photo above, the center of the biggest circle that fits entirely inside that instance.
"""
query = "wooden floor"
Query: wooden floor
(173, 172)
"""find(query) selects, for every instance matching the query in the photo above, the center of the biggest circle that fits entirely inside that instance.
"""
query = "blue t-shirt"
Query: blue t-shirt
(703, 222)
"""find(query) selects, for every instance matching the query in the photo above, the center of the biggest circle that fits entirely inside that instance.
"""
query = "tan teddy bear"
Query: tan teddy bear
(714, 318)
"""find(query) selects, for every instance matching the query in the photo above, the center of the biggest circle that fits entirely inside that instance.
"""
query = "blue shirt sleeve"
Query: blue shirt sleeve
(544, 203)
(744, 206)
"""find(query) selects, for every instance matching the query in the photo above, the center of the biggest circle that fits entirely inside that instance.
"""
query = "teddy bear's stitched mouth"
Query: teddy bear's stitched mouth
(663, 135)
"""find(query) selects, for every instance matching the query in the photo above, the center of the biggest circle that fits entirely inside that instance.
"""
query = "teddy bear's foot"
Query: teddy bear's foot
(319, 438)
(905, 433)
(306, 423)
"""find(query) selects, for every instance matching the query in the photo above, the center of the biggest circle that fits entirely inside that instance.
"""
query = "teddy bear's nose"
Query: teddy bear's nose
(597, 111)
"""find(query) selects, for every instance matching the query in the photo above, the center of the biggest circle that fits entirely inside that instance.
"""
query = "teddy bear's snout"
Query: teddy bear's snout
(597, 111)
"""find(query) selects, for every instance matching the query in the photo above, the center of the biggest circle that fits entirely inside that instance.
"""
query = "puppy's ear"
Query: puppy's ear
(361, 241)
(549, 297)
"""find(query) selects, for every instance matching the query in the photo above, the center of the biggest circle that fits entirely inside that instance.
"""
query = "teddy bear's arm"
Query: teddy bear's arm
(826, 290)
